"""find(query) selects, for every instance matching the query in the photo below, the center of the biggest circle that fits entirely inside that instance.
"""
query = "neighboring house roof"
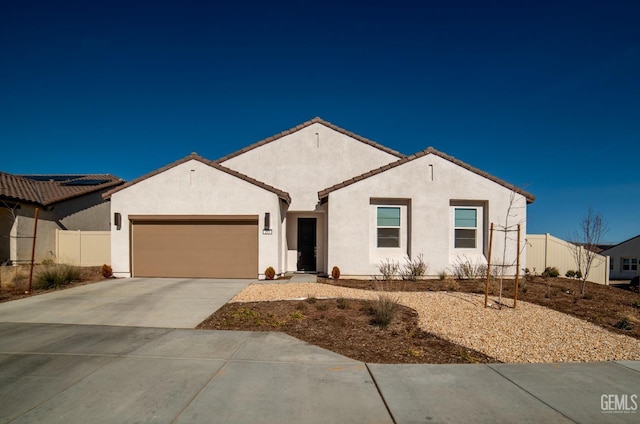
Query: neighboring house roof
(45, 190)
(315, 120)
(619, 244)
(429, 151)
(193, 156)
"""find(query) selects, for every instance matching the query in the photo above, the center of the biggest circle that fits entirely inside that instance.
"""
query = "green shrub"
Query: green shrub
(570, 274)
(335, 273)
(270, 273)
(311, 299)
(550, 272)
(55, 276)
(47, 262)
(383, 310)
(578, 274)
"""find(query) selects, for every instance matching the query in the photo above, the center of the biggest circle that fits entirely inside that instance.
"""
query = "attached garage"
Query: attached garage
(215, 246)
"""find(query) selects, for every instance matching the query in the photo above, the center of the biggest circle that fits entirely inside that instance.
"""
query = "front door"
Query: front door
(306, 244)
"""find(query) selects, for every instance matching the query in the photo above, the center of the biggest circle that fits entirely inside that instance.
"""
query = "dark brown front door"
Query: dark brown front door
(306, 244)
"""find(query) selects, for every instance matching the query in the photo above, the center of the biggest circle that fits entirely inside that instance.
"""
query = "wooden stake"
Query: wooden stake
(33, 249)
(486, 286)
(515, 294)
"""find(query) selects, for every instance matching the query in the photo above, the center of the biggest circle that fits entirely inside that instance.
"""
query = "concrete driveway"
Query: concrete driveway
(135, 302)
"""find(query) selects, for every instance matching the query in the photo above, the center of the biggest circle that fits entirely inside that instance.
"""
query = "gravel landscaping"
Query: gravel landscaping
(530, 333)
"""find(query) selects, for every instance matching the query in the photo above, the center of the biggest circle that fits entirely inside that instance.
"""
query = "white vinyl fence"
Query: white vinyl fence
(545, 250)
(83, 248)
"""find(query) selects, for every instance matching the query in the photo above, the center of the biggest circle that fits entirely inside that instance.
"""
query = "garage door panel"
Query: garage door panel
(215, 249)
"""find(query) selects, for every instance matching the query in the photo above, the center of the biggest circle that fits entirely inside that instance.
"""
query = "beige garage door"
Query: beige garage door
(196, 247)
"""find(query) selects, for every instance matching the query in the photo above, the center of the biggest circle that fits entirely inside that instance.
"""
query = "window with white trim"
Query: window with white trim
(629, 264)
(465, 222)
(388, 224)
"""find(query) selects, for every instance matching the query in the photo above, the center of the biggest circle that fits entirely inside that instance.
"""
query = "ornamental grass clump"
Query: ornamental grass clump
(383, 310)
(55, 276)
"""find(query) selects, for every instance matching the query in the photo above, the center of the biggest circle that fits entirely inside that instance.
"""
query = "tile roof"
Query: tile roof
(429, 151)
(316, 120)
(193, 156)
(45, 190)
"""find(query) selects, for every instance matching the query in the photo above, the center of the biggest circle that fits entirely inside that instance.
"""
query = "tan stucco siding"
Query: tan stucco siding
(307, 161)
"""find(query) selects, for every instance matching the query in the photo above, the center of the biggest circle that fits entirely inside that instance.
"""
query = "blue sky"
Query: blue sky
(545, 95)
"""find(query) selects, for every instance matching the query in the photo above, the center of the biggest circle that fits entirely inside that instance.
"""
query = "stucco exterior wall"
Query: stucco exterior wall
(88, 213)
(629, 249)
(429, 186)
(194, 188)
(6, 224)
(307, 161)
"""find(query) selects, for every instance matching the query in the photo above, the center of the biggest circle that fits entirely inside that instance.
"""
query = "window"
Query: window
(629, 264)
(465, 228)
(388, 223)
(611, 267)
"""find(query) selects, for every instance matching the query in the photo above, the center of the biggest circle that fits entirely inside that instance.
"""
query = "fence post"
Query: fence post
(486, 285)
(515, 293)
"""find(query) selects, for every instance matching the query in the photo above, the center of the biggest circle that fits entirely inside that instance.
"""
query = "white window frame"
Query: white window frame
(377, 254)
(479, 229)
(632, 264)
(396, 227)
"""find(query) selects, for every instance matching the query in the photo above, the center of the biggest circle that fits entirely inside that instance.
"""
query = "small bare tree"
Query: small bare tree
(586, 238)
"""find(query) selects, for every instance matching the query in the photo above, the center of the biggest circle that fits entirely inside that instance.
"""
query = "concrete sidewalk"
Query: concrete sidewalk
(77, 374)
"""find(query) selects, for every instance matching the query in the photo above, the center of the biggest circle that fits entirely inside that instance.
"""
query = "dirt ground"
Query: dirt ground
(348, 330)
(14, 281)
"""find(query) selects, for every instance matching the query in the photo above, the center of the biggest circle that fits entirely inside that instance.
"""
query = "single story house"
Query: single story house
(66, 202)
(308, 199)
(623, 259)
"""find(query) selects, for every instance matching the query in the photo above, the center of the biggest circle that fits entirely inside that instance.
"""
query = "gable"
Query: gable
(207, 168)
(437, 156)
(308, 158)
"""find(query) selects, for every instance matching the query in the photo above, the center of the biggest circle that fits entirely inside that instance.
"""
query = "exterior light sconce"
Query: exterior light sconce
(117, 220)
(267, 224)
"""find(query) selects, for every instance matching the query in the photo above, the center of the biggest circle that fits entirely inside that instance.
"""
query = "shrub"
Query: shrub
(464, 268)
(48, 262)
(624, 324)
(335, 273)
(550, 272)
(311, 299)
(270, 273)
(106, 271)
(414, 269)
(342, 303)
(322, 307)
(383, 310)
(388, 269)
(55, 276)
(443, 275)
(578, 274)
(570, 274)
